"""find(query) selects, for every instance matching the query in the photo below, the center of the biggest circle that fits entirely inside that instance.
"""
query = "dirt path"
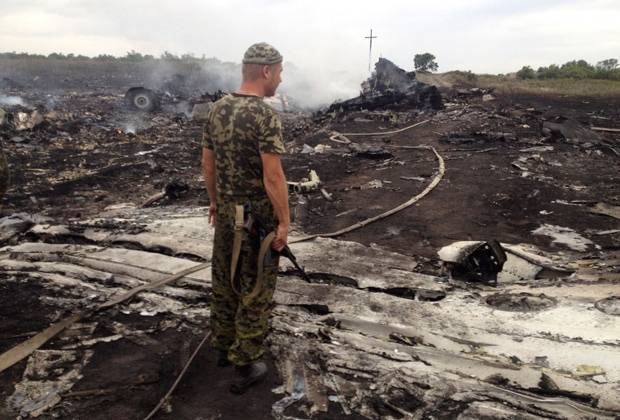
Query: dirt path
(439, 80)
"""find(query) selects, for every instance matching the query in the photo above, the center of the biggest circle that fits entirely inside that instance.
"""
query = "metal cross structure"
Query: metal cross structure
(370, 52)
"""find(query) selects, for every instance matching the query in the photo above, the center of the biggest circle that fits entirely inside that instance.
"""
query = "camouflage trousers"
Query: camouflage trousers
(239, 324)
(4, 175)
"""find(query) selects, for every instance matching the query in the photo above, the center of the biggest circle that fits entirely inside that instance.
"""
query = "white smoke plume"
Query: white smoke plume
(12, 101)
(308, 89)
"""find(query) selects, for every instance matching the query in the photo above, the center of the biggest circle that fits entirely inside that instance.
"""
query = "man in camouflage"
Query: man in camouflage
(242, 144)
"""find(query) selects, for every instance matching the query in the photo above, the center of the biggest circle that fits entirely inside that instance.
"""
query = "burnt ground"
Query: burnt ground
(504, 177)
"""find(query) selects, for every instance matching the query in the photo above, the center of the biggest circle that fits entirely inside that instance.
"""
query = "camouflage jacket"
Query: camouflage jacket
(238, 129)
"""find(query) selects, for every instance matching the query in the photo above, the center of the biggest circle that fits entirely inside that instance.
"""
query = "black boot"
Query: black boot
(222, 359)
(245, 376)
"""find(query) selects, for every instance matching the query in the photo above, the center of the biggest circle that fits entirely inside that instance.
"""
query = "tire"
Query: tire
(142, 99)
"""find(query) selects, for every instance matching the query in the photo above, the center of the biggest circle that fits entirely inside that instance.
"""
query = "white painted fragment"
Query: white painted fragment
(564, 236)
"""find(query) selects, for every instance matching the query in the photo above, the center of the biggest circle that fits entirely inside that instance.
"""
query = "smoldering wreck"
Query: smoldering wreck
(460, 265)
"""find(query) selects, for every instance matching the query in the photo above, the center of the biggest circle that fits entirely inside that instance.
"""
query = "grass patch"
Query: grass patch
(510, 84)
(574, 87)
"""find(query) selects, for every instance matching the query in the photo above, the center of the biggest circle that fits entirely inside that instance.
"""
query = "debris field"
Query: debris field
(392, 192)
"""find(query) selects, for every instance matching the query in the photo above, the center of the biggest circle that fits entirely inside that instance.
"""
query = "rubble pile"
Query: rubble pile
(72, 156)
(391, 87)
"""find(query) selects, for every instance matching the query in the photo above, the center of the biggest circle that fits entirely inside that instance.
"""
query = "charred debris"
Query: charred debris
(509, 332)
(72, 121)
(388, 87)
(391, 87)
(108, 131)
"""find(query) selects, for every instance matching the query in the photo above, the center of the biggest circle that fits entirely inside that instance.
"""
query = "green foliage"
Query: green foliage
(57, 56)
(133, 56)
(526, 72)
(188, 57)
(104, 57)
(551, 72)
(167, 56)
(137, 57)
(607, 65)
(425, 62)
(466, 75)
(20, 55)
(575, 69)
(577, 72)
(576, 63)
(612, 74)
(608, 69)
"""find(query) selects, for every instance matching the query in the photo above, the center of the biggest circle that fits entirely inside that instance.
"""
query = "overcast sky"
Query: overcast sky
(324, 36)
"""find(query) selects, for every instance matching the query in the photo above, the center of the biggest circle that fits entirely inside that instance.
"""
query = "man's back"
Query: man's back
(239, 128)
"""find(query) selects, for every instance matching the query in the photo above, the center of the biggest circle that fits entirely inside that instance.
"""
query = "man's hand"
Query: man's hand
(211, 216)
(280, 241)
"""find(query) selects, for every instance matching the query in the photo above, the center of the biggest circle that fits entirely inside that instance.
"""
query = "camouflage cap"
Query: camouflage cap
(262, 53)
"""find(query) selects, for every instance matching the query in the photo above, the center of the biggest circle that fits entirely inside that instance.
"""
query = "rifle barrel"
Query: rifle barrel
(286, 252)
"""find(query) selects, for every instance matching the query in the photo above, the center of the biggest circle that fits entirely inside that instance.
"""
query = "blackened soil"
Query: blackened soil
(93, 152)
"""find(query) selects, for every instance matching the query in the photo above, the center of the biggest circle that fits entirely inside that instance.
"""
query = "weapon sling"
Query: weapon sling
(264, 248)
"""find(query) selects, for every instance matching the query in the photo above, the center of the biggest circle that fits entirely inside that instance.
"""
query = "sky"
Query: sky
(327, 40)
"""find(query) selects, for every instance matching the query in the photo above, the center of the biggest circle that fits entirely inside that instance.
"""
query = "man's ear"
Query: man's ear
(266, 72)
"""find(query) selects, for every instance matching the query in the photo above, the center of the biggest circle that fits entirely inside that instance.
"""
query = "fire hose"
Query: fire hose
(413, 200)
(24, 349)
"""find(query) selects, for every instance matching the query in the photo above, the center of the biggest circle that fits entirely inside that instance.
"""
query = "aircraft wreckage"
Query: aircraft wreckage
(367, 332)
(506, 331)
(390, 86)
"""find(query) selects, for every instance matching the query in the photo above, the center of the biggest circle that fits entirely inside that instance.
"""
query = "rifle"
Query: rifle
(254, 223)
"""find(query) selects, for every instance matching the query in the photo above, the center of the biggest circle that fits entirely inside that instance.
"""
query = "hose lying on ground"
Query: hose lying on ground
(26, 348)
(442, 169)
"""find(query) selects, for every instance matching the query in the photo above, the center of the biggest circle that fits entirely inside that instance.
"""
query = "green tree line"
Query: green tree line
(576, 69)
(130, 56)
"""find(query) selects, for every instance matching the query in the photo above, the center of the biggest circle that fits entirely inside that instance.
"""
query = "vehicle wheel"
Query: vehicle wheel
(142, 99)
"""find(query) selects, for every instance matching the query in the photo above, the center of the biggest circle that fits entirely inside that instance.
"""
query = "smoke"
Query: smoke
(12, 101)
(50, 104)
(314, 89)
(307, 89)
(222, 76)
(130, 128)
(183, 108)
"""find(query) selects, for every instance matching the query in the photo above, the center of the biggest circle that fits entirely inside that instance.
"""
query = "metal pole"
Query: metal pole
(370, 51)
